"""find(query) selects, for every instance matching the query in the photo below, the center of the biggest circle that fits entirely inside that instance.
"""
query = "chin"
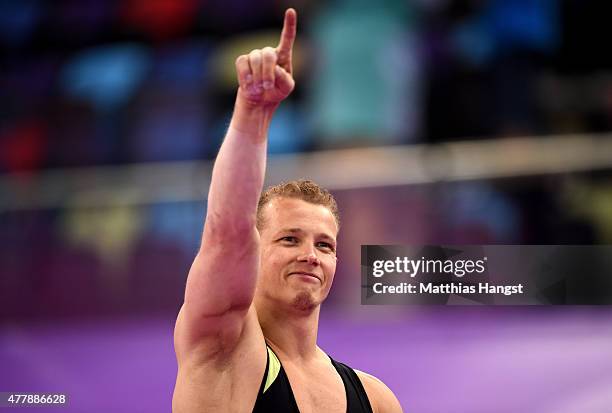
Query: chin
(304, 301)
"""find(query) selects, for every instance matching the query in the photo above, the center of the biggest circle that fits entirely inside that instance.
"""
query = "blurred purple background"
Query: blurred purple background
(432, 121)
(436, 360)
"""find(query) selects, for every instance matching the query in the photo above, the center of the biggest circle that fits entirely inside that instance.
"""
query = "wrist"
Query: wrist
(252, 118)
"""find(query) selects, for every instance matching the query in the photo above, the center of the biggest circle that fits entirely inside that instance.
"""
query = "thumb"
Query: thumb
(284, 81)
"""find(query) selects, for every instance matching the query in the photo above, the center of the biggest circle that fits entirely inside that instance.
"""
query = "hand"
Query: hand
(265, 75)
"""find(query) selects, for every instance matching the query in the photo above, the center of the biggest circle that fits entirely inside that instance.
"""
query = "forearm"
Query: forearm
(229, 230)
(239, 169)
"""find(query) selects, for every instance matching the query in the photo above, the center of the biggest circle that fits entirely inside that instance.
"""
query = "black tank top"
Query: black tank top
(275, 394)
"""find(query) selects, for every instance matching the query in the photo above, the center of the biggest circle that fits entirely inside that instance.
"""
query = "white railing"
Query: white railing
(334, 169)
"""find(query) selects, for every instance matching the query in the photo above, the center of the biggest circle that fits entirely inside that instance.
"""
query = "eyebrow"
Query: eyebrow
(301, 231)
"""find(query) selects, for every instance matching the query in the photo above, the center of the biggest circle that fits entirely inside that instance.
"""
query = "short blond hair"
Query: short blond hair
(303, 189)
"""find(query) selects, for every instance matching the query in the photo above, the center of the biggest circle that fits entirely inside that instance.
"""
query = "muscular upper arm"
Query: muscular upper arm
(224, 273)
(219, 292)
(381, 397)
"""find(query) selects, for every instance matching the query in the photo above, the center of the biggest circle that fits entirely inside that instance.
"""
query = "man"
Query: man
(246, 334)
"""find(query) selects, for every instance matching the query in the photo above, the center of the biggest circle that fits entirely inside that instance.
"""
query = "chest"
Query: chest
(317, 388)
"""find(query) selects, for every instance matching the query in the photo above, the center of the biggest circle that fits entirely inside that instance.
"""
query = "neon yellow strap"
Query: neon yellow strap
(273, 368)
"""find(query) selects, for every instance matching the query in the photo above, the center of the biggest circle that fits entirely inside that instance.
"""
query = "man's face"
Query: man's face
(298, 253)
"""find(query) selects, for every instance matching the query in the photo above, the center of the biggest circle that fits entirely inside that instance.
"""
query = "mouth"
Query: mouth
(306, 274)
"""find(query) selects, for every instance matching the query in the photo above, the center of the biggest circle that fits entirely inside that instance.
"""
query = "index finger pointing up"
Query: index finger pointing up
(285, 46)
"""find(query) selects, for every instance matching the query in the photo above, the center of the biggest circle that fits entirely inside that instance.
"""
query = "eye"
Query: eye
(289, 239)
(325, 245)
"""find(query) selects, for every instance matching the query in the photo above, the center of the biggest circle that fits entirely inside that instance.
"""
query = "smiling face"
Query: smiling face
(298, 254)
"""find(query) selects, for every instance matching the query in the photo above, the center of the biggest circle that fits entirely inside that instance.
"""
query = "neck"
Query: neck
(291, 333)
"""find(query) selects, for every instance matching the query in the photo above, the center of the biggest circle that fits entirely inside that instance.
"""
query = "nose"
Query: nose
(309, 256)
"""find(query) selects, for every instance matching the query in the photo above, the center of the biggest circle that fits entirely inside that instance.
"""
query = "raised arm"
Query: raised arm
(222, 279)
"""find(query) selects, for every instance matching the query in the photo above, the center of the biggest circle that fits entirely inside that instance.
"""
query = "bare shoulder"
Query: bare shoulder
(381, 397)
(230, 362)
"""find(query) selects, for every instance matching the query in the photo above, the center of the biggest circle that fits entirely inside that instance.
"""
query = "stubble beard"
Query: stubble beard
(304, 302)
